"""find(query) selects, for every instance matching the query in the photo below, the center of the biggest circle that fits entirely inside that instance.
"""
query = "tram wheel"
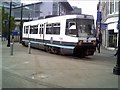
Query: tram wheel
(75, 53)
(57, 50)
(46, 48)
(78, 53)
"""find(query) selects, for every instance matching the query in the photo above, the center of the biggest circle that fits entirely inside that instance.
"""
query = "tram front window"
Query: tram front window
(85, 27)
(80, 27)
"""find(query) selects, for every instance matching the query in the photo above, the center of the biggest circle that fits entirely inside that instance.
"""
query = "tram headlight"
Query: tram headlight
(94, 42)
(80, 42)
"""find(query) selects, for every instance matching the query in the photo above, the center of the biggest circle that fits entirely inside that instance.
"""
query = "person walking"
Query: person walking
(98, 45)
(99, 41)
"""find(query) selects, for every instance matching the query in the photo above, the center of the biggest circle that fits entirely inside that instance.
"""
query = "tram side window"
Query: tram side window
(31, 29)
(26, 29)
(71, 28)
(56, 28)
(66, 31)
(49, 29)
(34, 29)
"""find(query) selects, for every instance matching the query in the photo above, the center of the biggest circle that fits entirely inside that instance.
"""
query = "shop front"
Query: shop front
(112, 41)
(110, 35)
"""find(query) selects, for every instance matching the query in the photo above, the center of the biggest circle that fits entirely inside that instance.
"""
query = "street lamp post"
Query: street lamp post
(98, 25)
(116, 69)
(21, 23)
(8, 44)
(29, 46)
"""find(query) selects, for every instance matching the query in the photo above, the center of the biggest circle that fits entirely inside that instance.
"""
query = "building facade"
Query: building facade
(109, 11)
(76, 10)
(6, 5)
(41, 9)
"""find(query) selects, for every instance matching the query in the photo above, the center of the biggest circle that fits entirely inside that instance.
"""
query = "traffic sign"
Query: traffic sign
(99, 16)
(104, 26)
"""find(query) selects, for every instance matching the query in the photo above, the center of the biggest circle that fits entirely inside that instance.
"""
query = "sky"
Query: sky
(88, 6)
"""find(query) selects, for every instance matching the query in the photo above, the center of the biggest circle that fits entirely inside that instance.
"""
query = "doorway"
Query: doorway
(112, 42)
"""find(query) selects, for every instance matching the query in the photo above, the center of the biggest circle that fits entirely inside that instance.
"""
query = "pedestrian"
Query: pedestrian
(100, 37)
(98, 45)
(99, 41)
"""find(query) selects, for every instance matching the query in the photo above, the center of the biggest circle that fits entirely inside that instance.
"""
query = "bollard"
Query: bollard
(29, 49)
(11, 46)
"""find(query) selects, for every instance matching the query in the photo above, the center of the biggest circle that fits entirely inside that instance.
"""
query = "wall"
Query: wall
(46, 8)
(110, 16)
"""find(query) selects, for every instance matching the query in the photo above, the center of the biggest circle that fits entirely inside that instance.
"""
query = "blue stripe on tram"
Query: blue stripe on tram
(66, 47)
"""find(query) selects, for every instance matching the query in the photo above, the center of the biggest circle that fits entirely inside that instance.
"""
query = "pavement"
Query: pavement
(51, 71)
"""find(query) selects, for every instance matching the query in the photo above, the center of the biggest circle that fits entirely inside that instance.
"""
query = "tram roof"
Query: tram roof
(35, 22)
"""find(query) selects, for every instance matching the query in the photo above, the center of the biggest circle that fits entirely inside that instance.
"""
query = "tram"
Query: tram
(67, 34)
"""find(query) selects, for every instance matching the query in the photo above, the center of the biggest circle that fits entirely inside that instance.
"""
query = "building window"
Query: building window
(116, 6)
(55, 8)
(111, 7)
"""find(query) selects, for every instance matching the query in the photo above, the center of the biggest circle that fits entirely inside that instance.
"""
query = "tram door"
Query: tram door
(112, 39)
(41, 32)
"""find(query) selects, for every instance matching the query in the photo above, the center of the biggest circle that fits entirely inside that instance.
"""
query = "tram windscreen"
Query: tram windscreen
(85, 27)
(80, 27)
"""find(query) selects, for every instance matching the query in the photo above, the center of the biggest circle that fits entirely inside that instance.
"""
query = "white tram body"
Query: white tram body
(68, 34)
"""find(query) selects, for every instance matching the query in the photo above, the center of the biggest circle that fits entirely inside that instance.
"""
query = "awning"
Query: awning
(113, 26)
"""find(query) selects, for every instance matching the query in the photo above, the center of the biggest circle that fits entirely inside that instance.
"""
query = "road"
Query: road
(44, 70)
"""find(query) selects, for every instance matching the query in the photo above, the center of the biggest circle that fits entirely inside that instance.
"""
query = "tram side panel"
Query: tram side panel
(56, 41)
